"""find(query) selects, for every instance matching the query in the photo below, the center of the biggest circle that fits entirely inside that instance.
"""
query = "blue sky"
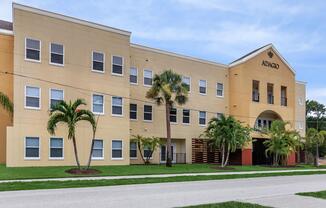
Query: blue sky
(217, 30)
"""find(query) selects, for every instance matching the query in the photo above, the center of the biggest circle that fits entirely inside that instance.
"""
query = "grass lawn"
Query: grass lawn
(12, 186)
(319, 194)
(59, 172)
(231, 204)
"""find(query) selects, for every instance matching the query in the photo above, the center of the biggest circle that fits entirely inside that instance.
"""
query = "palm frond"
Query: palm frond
(6, 103)
(54, 120)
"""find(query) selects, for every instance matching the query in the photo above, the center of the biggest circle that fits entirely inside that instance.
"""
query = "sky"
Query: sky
(215, 30)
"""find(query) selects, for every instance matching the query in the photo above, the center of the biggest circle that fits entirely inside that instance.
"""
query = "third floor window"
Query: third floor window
(32, 50)
(255, 91)
(98, 61)
(117, 65)
(270, 93)
(284, 100)
(57, 54)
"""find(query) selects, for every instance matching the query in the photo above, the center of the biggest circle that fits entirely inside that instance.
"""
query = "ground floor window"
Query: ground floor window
(32, 148)
(116, 149)
(133, 149)
(98, 149)
(56, 148)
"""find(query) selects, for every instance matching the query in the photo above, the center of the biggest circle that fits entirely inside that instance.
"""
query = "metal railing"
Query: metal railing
(255, 96)
(284, 101)
(270, 99)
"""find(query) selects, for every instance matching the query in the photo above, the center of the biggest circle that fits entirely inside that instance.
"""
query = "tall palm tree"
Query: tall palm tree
(6, 103)
(226, 134)
(70, 114)
(168, 89)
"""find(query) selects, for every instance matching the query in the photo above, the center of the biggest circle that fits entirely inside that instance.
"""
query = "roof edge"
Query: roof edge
(177, 55)
(246, 58)
(69, 19)
(301, 82)
(6, 32)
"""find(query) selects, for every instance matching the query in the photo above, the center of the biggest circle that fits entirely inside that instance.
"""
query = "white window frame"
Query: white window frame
(94, 70)
(133, 158)
(149, 121)
(189, 82)
(63, 149)
(25, 98)
(176, 116)
(63, 54)
(98, 113)
(39, 149)
(122, 103)
(217, 89)
(132, 83)
(117, 158)
(50, 95)
(205, 87)
(189, 117)
(103, 152)
(205, 118)
(146, 85)
(116, 74)
(136, 112)
(33, 60)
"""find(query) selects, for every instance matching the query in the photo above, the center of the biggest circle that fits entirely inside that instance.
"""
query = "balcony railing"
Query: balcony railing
(270, 99)
(255, 96)
(284, 101)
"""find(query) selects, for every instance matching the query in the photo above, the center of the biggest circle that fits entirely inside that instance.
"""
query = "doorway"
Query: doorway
(163, 154)
(259, 153)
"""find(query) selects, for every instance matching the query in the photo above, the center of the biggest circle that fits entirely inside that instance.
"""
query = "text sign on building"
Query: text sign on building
(268, 63)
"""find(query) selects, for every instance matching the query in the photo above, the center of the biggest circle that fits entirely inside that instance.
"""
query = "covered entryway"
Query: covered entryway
(177, 150)
(259, 152)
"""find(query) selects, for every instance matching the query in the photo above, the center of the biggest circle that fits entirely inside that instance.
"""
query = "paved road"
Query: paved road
(272, 191)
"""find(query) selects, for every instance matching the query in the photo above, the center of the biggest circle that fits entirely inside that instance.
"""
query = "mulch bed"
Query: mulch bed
(220, 168)
(76, 171)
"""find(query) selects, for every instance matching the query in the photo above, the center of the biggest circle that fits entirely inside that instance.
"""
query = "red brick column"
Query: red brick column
(246, 157)
(291, 159)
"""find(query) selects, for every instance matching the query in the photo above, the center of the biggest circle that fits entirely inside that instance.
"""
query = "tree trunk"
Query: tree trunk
(92, 146)
(75, 151)
(168, 136)
(317, 156)
(222, 153)
(140, 152)
(227, 156)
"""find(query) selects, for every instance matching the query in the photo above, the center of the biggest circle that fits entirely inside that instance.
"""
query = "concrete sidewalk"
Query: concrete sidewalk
(162, 175)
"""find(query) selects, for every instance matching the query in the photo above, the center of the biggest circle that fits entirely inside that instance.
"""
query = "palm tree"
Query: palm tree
(168, 89)
(313, 140)
(282, 142)
(6, 103)
(226, 134)
(70, 114)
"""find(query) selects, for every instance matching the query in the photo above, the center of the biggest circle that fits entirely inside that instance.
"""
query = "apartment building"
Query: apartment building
(47, 57)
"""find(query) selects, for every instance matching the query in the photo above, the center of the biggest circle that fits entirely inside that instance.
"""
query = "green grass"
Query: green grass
(12, 186)
(319, 194)
(231, 204)
(59, 172)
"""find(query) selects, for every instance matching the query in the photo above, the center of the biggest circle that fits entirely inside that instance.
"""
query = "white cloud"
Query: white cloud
(318, 94)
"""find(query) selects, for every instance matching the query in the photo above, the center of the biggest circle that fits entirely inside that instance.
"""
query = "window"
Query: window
(173, 115)
(219, 115)
(56, 54)
(270, 93)
(32, 97)
(187, 82)
(98, 149)
(98, 61)
(133, 111)
(98, 104)
(202, 87)
(56, 148)
(117, 65)
(202, 118)
(186, 116)
(55, 97)
(148, 77)
(147, 152)
(133, 78)
(32, 50)
(219, 89)
(117, 104)
(284, 100)
(255, 91)
(148, 111)
(116, 149)
(32, 148)
(133, 150)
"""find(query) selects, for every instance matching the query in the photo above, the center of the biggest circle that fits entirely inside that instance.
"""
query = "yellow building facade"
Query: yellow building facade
(52, 57)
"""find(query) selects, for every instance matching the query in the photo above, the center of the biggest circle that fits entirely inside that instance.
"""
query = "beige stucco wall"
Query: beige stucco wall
(157, 62)
(300, 107)
(6, 87)
(240, 79)
(79, 41)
